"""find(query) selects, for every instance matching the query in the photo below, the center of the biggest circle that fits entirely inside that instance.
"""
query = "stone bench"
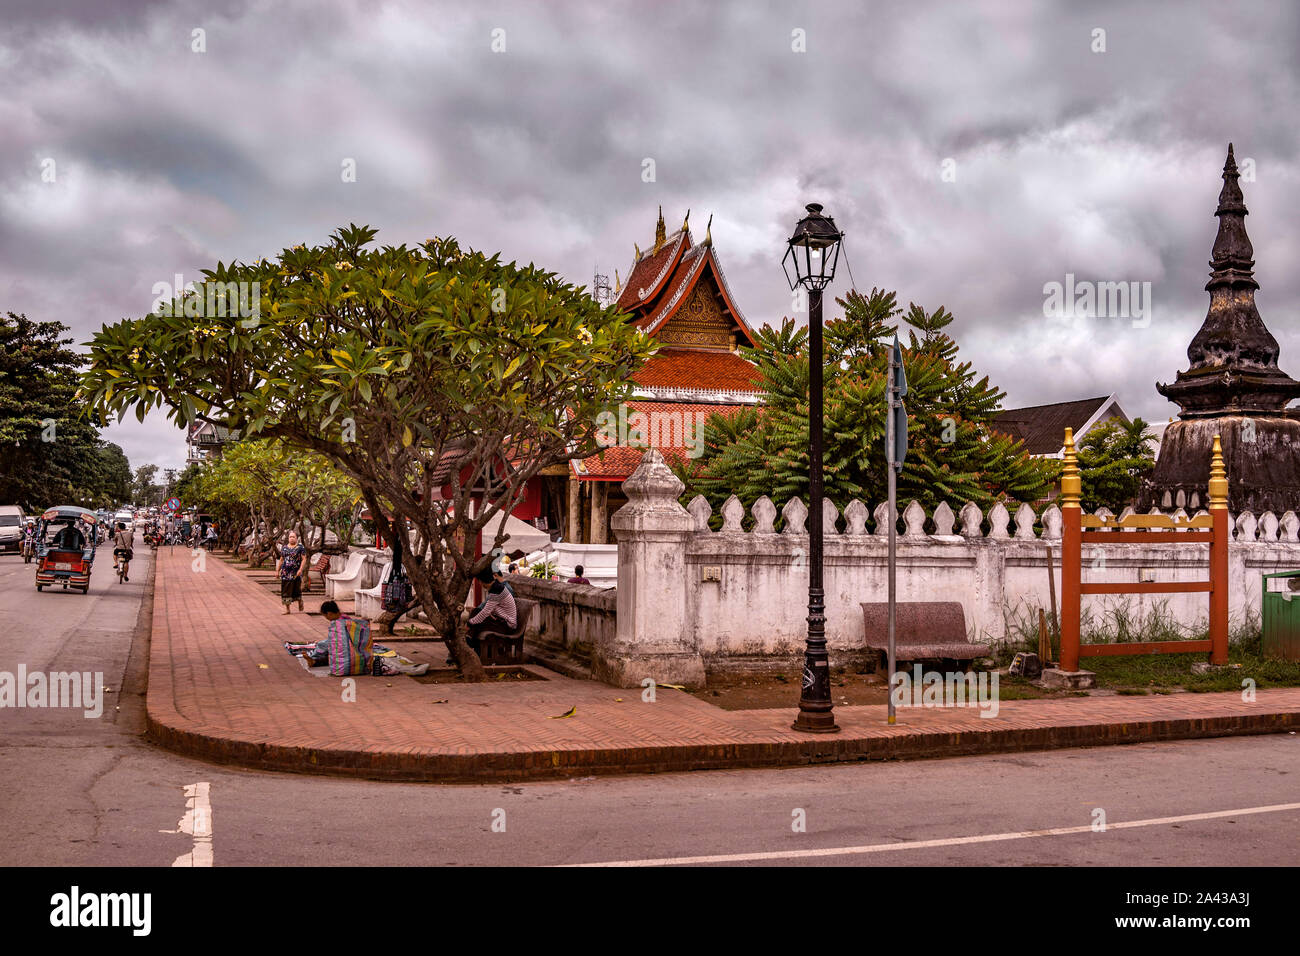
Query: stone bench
(370, 601)
(342, 586)
(923, 631)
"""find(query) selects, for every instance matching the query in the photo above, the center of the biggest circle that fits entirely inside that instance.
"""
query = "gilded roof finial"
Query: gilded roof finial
(661, 235)
(1218, 478)
(1071, 482)
(708, 232)
(686, 220)
(618, 283)
(638, 251)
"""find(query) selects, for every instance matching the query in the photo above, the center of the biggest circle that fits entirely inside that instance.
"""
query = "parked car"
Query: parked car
(11, 528)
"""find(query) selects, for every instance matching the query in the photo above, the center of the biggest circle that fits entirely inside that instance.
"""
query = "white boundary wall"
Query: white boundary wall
(994, 564)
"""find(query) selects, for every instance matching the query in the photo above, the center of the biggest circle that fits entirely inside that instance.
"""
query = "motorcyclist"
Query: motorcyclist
(124, 542)
(29, 537)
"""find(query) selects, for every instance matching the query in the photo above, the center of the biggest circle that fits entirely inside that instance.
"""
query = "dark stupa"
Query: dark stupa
(1233, 388)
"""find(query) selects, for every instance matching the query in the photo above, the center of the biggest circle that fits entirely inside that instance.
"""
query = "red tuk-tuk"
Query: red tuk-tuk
(65, 547)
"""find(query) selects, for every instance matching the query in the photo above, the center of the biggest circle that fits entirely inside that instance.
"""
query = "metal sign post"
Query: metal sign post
(895, 452)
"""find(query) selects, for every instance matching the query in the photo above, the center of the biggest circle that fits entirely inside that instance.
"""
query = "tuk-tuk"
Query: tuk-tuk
(65, 547)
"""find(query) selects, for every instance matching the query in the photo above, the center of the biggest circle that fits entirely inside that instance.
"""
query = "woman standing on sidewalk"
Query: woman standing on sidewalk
(291, 566)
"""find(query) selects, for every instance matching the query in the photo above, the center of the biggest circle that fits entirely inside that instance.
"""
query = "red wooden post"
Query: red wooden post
(1071, 558)
(1218, 557)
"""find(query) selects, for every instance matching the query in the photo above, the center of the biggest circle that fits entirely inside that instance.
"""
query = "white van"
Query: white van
(125, 517)
(11, 527)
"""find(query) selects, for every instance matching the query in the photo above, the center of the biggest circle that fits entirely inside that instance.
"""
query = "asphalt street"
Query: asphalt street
(91, 791)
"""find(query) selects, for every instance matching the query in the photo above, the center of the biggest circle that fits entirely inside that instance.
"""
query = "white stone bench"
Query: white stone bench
(342, 586)
(370, 602)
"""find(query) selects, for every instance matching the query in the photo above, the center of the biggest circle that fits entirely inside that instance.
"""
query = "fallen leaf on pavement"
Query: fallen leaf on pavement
(443, 701)
(673, 686)
(568, 713)
(263, 666)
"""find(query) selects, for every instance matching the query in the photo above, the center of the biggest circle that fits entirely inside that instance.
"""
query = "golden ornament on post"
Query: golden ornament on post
(1218, 478)
(1071, 483)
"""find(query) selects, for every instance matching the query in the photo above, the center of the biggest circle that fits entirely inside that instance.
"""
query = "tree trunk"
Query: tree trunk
(448, 624)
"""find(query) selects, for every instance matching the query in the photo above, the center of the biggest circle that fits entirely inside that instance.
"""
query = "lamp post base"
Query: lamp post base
(815, 722)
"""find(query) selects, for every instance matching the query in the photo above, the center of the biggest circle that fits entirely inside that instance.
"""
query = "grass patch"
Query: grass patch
(1139, 674)
(1165, 672)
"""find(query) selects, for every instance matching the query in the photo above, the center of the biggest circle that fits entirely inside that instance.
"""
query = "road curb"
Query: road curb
(175, 733)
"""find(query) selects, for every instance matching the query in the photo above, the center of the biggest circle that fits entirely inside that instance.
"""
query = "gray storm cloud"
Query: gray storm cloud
(1103, 165)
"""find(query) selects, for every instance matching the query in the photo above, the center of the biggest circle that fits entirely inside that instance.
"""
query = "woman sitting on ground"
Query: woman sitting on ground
(348, 649)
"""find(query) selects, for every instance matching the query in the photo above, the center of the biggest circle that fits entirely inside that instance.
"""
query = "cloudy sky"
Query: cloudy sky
(972, 153)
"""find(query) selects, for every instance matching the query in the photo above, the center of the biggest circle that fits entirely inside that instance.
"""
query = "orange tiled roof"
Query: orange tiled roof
(693, 368)
(650, 273)
(669, 426)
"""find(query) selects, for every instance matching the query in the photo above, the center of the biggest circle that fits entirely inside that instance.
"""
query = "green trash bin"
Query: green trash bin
(1281, 616)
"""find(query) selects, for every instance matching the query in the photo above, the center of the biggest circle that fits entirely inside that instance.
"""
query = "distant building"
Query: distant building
(205, 442)
(1042, 427)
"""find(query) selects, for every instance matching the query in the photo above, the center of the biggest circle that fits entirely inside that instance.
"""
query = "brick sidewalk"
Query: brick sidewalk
(222, 687)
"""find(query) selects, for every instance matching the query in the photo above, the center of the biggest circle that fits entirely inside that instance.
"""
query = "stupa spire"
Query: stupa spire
(1233, 357)
(1233, 256)
(661, 234)
(1233, 398)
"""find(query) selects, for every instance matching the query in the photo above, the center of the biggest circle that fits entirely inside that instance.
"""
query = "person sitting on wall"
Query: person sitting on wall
(577, 576)
(497, 612)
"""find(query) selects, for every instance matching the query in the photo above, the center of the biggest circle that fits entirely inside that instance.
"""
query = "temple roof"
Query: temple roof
(651, 270)
(1042, 427)
(663, 277)
(672, 427)
(673, 368)
(677, 293)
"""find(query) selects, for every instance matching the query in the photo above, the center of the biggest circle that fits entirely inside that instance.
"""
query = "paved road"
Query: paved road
(77, 791)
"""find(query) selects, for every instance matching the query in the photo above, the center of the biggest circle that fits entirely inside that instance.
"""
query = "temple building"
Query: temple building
(1042, 427)
(1233, 388)
(677, 293)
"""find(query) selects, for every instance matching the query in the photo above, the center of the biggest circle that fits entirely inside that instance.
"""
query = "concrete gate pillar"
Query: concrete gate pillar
(654, 635)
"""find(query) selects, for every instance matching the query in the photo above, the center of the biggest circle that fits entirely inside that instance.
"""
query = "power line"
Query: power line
(844, 251)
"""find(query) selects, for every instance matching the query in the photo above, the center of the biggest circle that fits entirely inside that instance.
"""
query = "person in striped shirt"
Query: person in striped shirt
(497, 612)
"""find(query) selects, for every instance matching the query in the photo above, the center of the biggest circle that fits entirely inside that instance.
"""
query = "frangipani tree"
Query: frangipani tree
(439, 379)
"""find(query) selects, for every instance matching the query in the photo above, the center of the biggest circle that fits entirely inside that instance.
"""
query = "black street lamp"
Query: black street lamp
(813, 254)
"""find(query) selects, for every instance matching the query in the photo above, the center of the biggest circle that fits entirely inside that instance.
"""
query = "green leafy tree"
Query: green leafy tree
(50, 450)
(144, 488)
(441, 380)
(1114, 459)
(110, 479)
(953, 453)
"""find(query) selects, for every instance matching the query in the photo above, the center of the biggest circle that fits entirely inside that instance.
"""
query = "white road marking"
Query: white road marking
(926, 844)
(198, 823)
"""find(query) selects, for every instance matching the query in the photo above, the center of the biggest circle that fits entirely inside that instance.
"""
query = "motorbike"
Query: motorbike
(28, 549)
